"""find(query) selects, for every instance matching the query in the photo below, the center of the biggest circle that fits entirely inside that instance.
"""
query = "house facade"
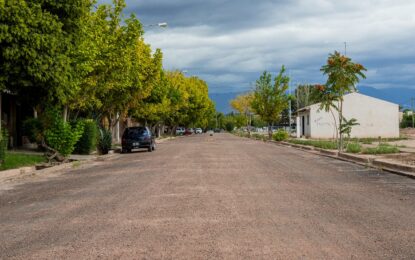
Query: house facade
(376, 118)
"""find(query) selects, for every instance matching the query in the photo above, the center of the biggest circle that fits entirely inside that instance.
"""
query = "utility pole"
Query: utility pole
(345, 48)
(412, 105)
(289, 107)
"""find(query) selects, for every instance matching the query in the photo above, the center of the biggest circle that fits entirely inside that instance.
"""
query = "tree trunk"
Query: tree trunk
(248, 128)
(1, 133)
(340, 124)
(65, 113)
(269, 131)
(335, 126)
(34, 112)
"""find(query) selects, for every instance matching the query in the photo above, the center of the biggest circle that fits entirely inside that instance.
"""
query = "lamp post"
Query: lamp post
(161, 25)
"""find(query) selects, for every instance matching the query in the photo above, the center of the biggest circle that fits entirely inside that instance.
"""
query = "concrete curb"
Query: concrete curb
(356, 158)
(19, 173)
(368, 161)
(401, 169)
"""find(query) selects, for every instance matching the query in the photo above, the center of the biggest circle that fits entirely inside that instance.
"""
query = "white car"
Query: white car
(198, 131)
(180, 130)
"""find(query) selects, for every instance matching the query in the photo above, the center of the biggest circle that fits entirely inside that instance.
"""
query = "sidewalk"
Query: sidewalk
(402, 164)
(74, 160)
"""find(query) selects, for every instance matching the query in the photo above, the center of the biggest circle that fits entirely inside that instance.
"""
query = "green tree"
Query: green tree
(270, 99)
(37, 39)
(242, 104)
(306, 95)
(343, 75)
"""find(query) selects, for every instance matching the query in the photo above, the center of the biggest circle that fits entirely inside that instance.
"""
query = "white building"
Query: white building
(377, 118)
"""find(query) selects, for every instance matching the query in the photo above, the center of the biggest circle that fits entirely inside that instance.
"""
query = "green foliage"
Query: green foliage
(270, 99)
(353, 148)
(330, 145)
(4, 138)
(104, 141)
(306, 95)
(36, 42)
(229, 126)
(88, 141)
(406, 120)
(346, 126)
(382, 149)
(280, 135)
(342, 77)
(33, 129)
(60, 135)
(92, 60)
(17, 160)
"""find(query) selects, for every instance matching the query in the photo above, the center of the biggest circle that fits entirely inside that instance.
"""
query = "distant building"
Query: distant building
(377, 118)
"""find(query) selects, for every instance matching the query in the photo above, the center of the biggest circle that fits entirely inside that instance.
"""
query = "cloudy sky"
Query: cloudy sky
(229, 43)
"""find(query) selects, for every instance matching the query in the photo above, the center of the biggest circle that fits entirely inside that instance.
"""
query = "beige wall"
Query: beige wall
(377, 118)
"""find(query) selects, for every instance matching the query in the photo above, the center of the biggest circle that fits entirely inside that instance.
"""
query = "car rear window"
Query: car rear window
(134, 132)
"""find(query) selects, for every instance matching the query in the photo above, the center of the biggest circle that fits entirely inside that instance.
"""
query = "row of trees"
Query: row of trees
(270, 99)
(88, 60)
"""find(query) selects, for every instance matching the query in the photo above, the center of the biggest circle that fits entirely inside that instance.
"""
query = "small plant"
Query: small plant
(76, 164)
(257, 136)
(382, 149)
(88, 141)
(60, 135)
(104, 141)
(330, 145)
(367, 141)
(4, 138)
(280, 135)
(353, 148)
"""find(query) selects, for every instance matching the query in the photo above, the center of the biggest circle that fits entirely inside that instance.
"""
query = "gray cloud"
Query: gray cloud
(229, 43)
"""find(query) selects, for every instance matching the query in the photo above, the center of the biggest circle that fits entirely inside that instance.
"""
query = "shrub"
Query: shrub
(382, 149)
(229, 126)
(316, 143)
(33, 128)
(88, 141)
(4, 138)
(257, 136)
(104, 141)
(280, 135)
(354, 148)
(60, 135)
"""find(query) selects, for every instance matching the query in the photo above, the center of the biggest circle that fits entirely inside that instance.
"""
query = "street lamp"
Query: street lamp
(161, 25)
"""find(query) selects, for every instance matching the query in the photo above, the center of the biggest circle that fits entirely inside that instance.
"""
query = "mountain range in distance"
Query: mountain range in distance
(401, 96)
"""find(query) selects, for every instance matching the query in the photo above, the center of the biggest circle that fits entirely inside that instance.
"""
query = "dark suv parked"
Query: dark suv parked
(136, 138)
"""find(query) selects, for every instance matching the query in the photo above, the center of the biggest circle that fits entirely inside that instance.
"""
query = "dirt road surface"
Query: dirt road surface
(204, 197)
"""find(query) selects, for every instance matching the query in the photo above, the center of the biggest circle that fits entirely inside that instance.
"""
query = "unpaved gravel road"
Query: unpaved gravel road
(205, 197)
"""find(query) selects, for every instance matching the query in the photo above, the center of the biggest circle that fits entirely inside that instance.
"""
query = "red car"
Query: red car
(188, 131)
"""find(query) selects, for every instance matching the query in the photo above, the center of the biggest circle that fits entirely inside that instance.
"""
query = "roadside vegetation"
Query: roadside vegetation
(381, 149)
(84, 67)
(330, 145)
(16, 160)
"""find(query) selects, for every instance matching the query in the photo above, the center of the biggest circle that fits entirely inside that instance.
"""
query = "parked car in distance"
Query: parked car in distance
(199, 131)
(188, 131)
(137, 138)
(180, 131)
